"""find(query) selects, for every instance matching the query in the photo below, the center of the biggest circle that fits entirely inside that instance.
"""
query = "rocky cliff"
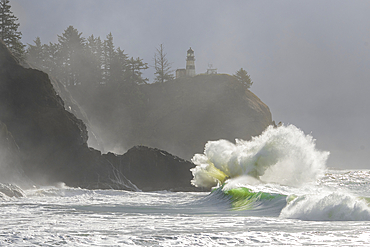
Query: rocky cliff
(49, 144)
(178, 116)
(42, 143)
(186, 113)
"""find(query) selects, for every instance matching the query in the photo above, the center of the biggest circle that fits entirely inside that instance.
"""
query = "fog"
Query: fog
(309, 60)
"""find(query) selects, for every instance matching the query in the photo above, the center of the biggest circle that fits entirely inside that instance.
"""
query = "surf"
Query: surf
(275, 174)
(283, 155)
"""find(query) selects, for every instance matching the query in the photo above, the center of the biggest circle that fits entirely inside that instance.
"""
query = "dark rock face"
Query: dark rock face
(35, 116)
(143, 165)
(43, 142)
(183, 115)
(50, 144)
(73, 107)
(10, 169)
(179, 116)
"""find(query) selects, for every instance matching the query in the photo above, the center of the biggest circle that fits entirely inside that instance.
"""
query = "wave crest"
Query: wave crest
(283, 155)
(327, 206)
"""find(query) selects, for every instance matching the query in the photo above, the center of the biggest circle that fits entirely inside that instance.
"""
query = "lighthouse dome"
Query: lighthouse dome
(190, 51)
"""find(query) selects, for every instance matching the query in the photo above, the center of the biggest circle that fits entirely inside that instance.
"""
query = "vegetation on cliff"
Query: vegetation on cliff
(42, 143)
(178, 115)
(88, 62)
(9, 30)
(100, 84)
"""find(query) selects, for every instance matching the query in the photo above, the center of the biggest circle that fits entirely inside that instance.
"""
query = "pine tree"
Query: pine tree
(119, 66)
(35, 54)
(134, 74)
(243, 77)
(114, 62)
(162, 66)
(72, 47)
(52, 63)
(109, 57)
(9, 30)
(95, 57)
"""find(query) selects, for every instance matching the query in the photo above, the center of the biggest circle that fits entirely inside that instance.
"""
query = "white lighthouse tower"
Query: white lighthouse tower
(190, 63)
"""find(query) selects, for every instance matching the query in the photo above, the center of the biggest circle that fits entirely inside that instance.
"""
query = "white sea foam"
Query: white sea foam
(327, 206)
(78, 217)
(283, 155)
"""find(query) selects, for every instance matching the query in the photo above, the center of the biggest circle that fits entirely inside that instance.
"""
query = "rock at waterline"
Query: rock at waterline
(52, 142)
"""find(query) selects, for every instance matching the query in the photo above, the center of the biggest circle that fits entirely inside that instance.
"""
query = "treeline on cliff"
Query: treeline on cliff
(177, 115)
(103, 79)
(79, 61)
(41, 143)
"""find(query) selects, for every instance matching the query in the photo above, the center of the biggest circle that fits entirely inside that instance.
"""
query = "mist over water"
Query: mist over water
(309, 62)
(309, 59)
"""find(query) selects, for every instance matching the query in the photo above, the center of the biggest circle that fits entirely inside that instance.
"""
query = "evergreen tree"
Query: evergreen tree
(134, 74)
(35, 54)
(44, 57)
(114, 62)
(72, 47)
(9, 30)
(52, 63)
(243, 77)
(162, 66)
(109, 57)
(119, 66)
(95, 57)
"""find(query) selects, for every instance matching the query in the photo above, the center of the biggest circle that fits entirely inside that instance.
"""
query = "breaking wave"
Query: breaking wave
(275, 174)
(324, 206)
(283, 155)
(328, 206)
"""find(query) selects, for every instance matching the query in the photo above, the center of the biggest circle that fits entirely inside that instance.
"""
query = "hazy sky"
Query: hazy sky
(309, 60)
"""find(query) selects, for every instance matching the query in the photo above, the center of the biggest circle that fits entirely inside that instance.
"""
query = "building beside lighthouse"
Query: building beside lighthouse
(190, 66)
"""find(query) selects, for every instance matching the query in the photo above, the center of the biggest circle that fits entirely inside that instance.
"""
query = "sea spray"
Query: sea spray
(283, 155)
(327, 206)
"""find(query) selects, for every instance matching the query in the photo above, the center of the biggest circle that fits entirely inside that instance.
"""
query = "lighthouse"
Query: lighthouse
(190, 66)
(190, 63)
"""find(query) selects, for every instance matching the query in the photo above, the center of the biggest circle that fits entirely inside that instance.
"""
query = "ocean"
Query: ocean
(273, 190)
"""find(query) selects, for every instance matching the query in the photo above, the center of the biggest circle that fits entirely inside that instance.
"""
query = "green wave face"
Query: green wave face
(243, 198)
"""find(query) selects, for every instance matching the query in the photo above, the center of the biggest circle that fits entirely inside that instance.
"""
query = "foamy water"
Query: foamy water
(77, 217)
(273, 190)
